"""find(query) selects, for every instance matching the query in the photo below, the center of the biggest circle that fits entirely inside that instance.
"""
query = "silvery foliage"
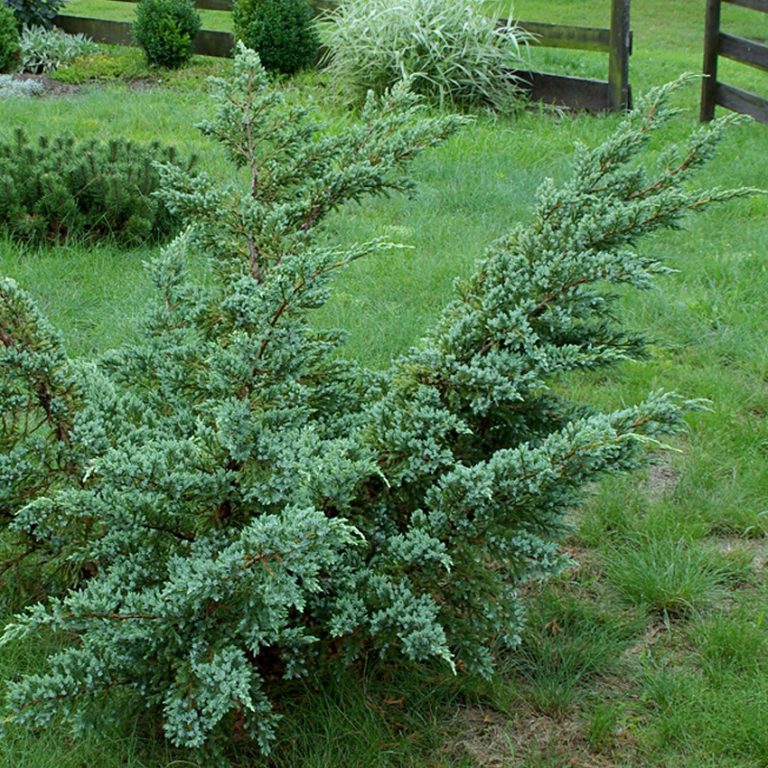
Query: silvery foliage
(242, 504)
(11, 87)
(455, 52)
(45, 50)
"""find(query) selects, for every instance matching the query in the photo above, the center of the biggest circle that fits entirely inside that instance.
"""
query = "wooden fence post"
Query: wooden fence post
(711, 49)
(618, 59)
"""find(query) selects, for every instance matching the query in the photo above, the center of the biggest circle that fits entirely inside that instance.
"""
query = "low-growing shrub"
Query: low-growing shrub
(35, 13)
(119, 63)
(45, 50)
(57, 188)
(282, 32)
(11, 87)
(165, 29)
(241, 504)
(9, 40)
(453, 50)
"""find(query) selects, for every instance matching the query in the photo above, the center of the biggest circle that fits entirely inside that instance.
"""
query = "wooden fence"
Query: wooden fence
(208, 42)
(613, 94)
(741, 49)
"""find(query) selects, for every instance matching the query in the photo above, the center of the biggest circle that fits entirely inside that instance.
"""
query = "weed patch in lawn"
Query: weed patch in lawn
(732, 643)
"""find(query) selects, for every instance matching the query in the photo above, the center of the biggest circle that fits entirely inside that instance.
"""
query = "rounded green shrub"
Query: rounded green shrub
(165, 30)
(282, 32)
(9, 39)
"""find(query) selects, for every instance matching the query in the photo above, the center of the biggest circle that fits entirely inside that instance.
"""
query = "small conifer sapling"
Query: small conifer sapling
(243, 505)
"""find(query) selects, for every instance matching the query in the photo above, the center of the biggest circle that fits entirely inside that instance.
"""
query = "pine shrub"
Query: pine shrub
(165, 29)
(9, 40)
(282, 32)
(60, 188)
(242, 504)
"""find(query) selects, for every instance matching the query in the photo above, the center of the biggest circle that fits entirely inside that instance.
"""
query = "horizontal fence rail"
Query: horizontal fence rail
(207, 42)
(99, 30)
(741, 49)
(613, 94)
(575, 93)
(203, 5)
(560, 90)
(755, 5)
(566, 36)
(226, 5)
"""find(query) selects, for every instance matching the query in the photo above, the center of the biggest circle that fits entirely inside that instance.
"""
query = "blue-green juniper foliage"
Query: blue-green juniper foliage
(240, 504)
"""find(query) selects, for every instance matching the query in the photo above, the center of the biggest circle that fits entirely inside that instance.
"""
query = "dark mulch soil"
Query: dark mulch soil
(143, 83)
(55, 88)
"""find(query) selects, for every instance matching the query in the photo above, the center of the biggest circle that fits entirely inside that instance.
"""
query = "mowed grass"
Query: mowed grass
(653, 649)
(126, 11)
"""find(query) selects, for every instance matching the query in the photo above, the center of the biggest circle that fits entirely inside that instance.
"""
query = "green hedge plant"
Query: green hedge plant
(242, 504)
(166, 29)
(454, 51)
(9, 40)
(282, 32)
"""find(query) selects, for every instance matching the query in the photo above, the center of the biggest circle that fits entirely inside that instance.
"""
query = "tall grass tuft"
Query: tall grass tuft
(455, 53)
(664, 576)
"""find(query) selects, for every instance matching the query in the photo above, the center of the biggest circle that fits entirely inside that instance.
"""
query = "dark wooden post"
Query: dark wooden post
(711, 49)
(618, 59)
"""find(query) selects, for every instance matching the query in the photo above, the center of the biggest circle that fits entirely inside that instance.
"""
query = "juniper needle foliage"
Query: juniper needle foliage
(242, 505)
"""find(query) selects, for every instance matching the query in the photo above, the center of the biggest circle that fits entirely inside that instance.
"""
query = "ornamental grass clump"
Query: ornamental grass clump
(240, 505)
(454, 51)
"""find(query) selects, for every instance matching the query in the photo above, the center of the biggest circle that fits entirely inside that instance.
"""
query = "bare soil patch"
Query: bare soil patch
(491, 739)
(51, 87)
(662, 479)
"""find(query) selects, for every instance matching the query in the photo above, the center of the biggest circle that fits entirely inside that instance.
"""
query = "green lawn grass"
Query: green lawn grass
(126, 11)
(653, 650)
